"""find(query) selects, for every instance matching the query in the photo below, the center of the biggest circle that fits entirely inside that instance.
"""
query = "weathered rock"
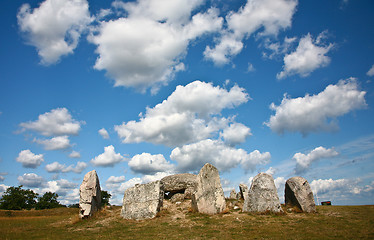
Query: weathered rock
(233, 194)
(243, 191)
(179, 183)
(90, 195)
(208, 196)
(298, 193)
(142, 201)
(178, 197)
(262, 196)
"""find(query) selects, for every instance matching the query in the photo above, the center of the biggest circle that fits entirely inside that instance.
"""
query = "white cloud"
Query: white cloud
(30, 180)
(67, 191)
(56, 167)
(29, 159)
(370, 73)
(235, 134)
(2, 174)
(250, 68)
(3, 188)
(146, 163)
(267, 17)
(108, 158)
(317, 112)
(104, 133)
(280, 185)
(181, 118)
(193, 156)
(54, 28)
(303, 161)
(113, 179)
(132, 58)
(74, 154)
(308, 56)
(336, 190)
(56, 122)
(56, 143)
(2, 178)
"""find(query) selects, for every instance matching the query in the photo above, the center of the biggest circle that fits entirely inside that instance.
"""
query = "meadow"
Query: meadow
(178, 222)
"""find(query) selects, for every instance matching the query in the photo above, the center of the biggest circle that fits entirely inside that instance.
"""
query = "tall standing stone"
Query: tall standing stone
(208, 196)
(262, 196)
(243, 191)
(298, 193)
(233, 194)
(142, 201)
(90, 195)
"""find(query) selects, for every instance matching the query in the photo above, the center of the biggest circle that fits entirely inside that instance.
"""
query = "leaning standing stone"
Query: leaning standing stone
(142, 201)
(90, 195)
(208, 196)
(298, 193)
(262, 196)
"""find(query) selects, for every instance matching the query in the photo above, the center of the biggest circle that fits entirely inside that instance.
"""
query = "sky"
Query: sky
(139, 90)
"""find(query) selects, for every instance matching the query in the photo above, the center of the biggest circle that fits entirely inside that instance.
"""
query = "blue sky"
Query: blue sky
(142, 89)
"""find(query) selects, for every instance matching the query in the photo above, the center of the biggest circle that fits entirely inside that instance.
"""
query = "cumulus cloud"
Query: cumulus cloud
(57, 122)
(146, 163)
(181, 118)
(370, 73)
(308, 56)
(54, 28)
(267, 17)
(338, 190)
(56, 143)
(67, 191)
(2, 174)
(303, 161)
(235, 134)
(29, 159)
(104, 133)
(317, 112)
(132, 58)
(193, 156)
(74, 154)
(56, 167)
(108, 158)
(113, 179)
(30, 180)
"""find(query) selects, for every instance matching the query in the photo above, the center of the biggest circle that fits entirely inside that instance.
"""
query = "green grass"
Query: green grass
(330, 222)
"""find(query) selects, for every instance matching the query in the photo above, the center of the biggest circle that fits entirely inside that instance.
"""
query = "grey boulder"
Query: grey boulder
(298, 193)
(262, 196)
(89, 195)
(179, 183)
(208, 196)
(143, 201)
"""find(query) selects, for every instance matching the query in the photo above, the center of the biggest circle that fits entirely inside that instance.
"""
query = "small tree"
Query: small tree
(16, 198)
(47, 201)
(105, 196)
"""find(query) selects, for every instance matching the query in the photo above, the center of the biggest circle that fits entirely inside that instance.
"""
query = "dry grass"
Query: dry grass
(177, 222)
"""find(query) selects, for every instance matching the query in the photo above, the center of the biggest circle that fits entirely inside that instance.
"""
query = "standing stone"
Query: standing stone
(298, 193)
(262, 196)
(90, 195)
(208, 196)
(243, 191)
(179, 183)
(142, 201)
(233, 194)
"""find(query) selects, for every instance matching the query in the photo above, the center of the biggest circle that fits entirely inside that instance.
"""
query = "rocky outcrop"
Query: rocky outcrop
(262, 196)
(208, 196)
(243, 191)
(298, 193)
(90, 195)
(179, 183)
(142, 201)
(233, 194)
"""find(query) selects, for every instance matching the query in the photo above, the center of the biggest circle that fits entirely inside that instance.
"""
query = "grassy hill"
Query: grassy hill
(178, 222)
